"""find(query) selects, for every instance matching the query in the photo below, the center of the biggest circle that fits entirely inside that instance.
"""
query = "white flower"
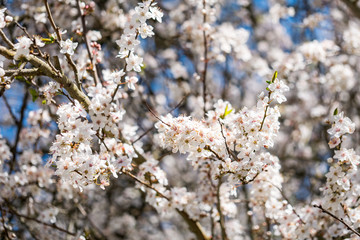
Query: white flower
(22, 47)
(116, 76)
(341, 126)
(334, 141)
(2, 18)
(134, 62)
(146, 30)
(38, 41)
(278, 87)
(347, 156)
(156, 14)
(131, 82)
(68, 47)
(128, 42)
(40, 17)
(49, 215)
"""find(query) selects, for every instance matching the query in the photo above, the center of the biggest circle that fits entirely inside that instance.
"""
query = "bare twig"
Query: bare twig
(226, 145)
(205, 57)
(283, 195)
(94, 225)
(10, 111)
(19, 128)
(46, 70)
(338, 219)
(266, 108)
(148, 130)
(52, 225)
(194, 226)
(86, 40)
(58, 34)
(249, 216)
(8, 42)
(352, 5)
(155, 115)
(222, 218)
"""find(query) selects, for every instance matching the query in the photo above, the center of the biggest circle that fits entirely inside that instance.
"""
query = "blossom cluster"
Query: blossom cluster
(135, 27)
(233, 140)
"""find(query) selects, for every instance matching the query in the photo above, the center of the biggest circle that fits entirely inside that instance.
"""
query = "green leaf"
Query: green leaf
(227, 112)
(34, 94)
(274, 76)
(143, 67)
(336, 112)
(48, 40)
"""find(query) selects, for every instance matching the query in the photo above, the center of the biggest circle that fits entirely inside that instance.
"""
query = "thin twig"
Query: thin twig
(86, 40)
(339, 219)
(8, 42)
(53, 225)
(19, 128)
(226, 145)
(148, 130)
(248, 210)
(10, 111)
(266, 108)
(194, 226)
(121, 79)
(205, 57)
(153, 113)
(94, 225)
(222, 218)
(283, 195)
(207, 147)
(58, 34)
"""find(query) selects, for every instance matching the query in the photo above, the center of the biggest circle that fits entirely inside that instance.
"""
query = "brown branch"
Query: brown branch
(283, 195)
(19, 126)
(205, 58)
(194, 226)
(352, 5)
(10, 111)
(121, 79)
(339, 219)
(23, 72)
(226, 145)
(46, 70)
(58, 34)
(248, 209)
(94, 225)
(52, 225)
(86, 40)
(221, 215)
(8, 42)
(155, 115)
(153, 126)
(266, 108)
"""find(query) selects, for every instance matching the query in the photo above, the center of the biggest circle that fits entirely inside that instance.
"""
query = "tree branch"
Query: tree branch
(194, 226)
(53, 225)
(339, 219)
(23, 72)
(46, 70)
(222, 218)
(58, 34)
(352, 7)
